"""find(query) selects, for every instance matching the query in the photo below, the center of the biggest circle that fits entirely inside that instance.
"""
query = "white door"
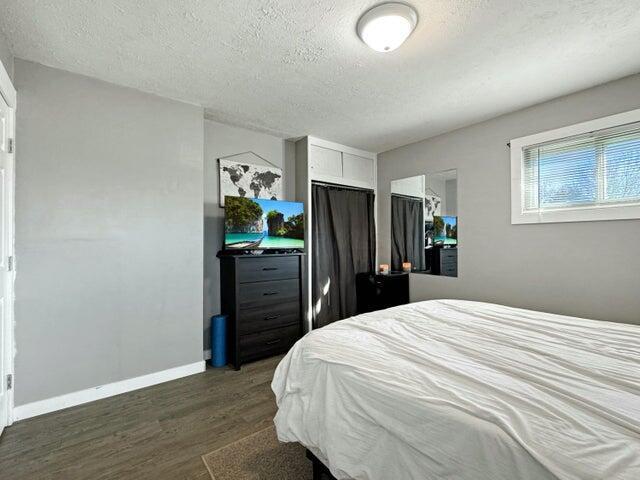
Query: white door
(6, 248)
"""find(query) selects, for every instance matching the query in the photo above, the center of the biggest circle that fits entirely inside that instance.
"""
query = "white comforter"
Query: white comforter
(465, 390)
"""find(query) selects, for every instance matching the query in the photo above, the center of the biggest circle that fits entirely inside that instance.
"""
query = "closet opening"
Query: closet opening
(344, 244)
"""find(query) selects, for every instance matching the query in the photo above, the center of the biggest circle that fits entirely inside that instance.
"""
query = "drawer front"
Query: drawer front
(258, 294)
(448, 254)
(254, 320)
(448, 262)
(268, 342)
(449, 271)
(264, 268)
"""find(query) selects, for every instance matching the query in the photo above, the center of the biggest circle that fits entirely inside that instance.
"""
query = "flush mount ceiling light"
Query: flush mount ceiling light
(385, 27)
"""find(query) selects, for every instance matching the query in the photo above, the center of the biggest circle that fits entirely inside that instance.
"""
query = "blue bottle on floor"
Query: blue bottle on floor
(219, 340)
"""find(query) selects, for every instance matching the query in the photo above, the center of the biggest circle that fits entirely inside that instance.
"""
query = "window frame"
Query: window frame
(584, 213)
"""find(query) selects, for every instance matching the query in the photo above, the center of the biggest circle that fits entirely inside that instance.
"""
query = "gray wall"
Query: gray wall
(5, 55)
(588, 269)
(451, 189)
(109, 235)
(221, 140)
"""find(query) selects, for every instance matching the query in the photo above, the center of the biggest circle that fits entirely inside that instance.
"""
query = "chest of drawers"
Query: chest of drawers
(445, 262)
(263, 297)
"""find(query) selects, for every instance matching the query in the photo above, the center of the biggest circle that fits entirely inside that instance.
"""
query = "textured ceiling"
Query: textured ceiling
(296, 67)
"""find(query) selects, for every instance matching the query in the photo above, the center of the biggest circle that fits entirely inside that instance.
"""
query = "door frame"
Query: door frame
(8, 93)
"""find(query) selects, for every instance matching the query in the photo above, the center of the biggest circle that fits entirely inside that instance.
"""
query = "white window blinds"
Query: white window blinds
(600, 168)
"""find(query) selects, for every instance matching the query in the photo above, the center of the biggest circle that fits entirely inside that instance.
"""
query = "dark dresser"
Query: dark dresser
(444, 261)
(375, 291)
(263, 297)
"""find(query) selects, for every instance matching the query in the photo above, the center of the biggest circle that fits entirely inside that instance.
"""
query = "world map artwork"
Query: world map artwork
(252, 181)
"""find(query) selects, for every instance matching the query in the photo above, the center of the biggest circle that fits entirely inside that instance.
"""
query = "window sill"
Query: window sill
(578, 214)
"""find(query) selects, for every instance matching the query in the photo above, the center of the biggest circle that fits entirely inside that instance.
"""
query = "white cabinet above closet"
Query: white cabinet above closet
(360, 169)
(324, 161)
(334, 163)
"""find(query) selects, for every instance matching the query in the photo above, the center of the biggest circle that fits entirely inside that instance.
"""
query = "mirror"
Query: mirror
(424, 224)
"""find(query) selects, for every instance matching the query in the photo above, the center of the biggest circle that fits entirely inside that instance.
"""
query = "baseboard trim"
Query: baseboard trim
(61, 402)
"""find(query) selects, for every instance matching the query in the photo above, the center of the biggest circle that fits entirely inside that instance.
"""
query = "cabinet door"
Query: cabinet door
(324, 161)
(357, 168)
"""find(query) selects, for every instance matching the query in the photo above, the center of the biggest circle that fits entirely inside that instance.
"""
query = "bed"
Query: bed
(450, 389)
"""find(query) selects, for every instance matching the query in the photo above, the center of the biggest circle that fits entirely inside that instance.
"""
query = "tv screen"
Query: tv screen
(445, 230)
(254, 223)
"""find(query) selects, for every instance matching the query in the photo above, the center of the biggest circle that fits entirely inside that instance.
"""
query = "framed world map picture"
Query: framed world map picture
(241, 179)
(432, 206)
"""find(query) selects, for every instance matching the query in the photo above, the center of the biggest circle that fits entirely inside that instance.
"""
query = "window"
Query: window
(589, 171)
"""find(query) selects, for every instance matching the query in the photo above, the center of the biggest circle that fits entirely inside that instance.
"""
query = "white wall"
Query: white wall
(5, 55)
(109, 236)
(221, 140)
(588, 269)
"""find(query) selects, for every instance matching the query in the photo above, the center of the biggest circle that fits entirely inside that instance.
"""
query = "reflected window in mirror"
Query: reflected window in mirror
(424, 223)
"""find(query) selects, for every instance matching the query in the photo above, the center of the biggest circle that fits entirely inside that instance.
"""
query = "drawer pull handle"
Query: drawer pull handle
(266, 294)
(273, 342)
(272, 317)
(267, 269)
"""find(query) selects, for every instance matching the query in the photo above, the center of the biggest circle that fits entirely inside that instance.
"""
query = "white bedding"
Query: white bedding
(463, 390)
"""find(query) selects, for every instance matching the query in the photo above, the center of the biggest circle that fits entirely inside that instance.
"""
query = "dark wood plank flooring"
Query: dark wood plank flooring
(158, 432)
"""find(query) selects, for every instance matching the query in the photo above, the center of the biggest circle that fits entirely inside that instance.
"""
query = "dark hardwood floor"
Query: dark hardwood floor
(156, 433)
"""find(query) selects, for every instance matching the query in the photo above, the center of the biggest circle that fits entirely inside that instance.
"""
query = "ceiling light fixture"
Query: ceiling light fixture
(385, 27)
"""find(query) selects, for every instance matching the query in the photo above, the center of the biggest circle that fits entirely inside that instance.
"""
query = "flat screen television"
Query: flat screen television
(259, 224)
(445, 230)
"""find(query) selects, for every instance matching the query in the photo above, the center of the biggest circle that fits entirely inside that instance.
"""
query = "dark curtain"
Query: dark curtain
(407, 232)
(344, 244)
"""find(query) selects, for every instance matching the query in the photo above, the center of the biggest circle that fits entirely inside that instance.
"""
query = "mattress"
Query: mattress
(450, 389)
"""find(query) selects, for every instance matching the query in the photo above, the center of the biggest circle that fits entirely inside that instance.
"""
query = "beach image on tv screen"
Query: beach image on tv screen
(445, 230)
(260, 223)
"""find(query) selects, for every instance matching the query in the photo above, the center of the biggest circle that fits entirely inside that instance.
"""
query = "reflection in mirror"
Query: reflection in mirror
(424, 224)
